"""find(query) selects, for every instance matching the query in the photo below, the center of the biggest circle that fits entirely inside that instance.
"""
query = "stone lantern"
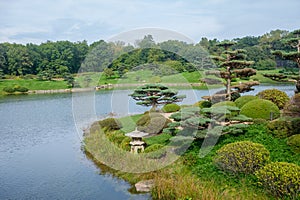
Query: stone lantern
(137, 143)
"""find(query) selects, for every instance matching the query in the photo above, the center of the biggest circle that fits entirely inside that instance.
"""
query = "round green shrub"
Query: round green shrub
(110, 124)
(292, 108)
(152, 123)
(278, 97)
(280, 128)
(294, 142)
(280, 179)
(9, 89)
(241, 101)
(224, 103)
(203, 104)
(260, 109)
(171, 107)
(241, 157)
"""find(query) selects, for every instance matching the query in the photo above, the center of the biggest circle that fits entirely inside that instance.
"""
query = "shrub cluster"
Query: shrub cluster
(169, 108)
(242, 157)
(278, 97)
(281, 179)
(292, 108)
(241, 101)
(152, 123)
(110, 124)
(224, 103)
(283, 128)
(16, 88)
(260, 109)
(294, 142)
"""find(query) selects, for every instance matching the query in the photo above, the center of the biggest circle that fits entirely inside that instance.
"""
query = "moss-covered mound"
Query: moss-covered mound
(171, 107)
(241, 101)
(224, 103)
(260, 109)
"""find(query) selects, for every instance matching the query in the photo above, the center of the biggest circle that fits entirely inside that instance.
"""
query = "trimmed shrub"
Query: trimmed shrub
(224, 103)
(203, 104)
(280, 179)
(242, 157)
(292, 108)
(235, 96)
(240, 102)
(171, 107)
(22, 89)
(296, 125)
(280, 128)
(283, 128)
(152, 123)
(278, 97)
(260, 109)
(294, 142)
(125, 144)
(9, 89)
(116, 137)
(110, 124)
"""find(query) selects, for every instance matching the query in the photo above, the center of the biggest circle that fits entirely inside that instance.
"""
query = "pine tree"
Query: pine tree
(294, 55)
(155, 94)
(234, 63)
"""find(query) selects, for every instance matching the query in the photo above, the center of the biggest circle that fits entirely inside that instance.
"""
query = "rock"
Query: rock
(144, 186)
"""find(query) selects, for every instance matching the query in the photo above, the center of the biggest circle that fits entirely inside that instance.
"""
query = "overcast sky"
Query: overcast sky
(35, 21)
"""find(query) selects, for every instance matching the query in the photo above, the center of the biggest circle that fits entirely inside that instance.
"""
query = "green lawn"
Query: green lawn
(33, 84)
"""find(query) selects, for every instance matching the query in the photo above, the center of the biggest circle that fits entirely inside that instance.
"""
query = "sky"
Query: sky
(36, 21)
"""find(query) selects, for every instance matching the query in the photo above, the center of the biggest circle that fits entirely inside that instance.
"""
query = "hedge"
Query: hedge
(242, 157)
(260, 109)
(280, 179)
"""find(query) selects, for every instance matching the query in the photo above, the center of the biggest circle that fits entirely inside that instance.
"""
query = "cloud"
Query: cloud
(37, 21)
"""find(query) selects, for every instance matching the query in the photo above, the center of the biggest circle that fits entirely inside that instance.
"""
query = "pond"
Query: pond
(40, 149)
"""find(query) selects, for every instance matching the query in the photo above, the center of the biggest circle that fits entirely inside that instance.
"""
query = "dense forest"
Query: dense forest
(64, 57)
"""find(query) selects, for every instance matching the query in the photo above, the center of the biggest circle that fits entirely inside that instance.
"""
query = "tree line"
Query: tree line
(64, 57)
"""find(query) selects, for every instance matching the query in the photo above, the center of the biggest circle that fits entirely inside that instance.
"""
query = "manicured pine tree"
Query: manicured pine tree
(234, 63)
(155, 94)
(294, 55)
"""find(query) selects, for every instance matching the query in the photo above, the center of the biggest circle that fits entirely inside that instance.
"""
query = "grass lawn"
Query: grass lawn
(33, 84)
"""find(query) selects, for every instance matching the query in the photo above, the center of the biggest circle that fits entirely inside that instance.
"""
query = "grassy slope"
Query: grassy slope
(32, 84)
(203, 174)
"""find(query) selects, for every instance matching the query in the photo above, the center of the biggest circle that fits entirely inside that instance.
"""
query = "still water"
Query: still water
(40, 148)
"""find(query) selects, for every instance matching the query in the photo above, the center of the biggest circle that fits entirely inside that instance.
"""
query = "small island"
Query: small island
(206, 145)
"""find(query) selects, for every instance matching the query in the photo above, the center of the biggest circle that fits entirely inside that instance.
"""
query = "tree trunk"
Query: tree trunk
(154, 106)
(228, 84)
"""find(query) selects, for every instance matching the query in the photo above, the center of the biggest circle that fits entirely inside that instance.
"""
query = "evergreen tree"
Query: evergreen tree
(293, 55)
(234, 63)
(155, 94)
